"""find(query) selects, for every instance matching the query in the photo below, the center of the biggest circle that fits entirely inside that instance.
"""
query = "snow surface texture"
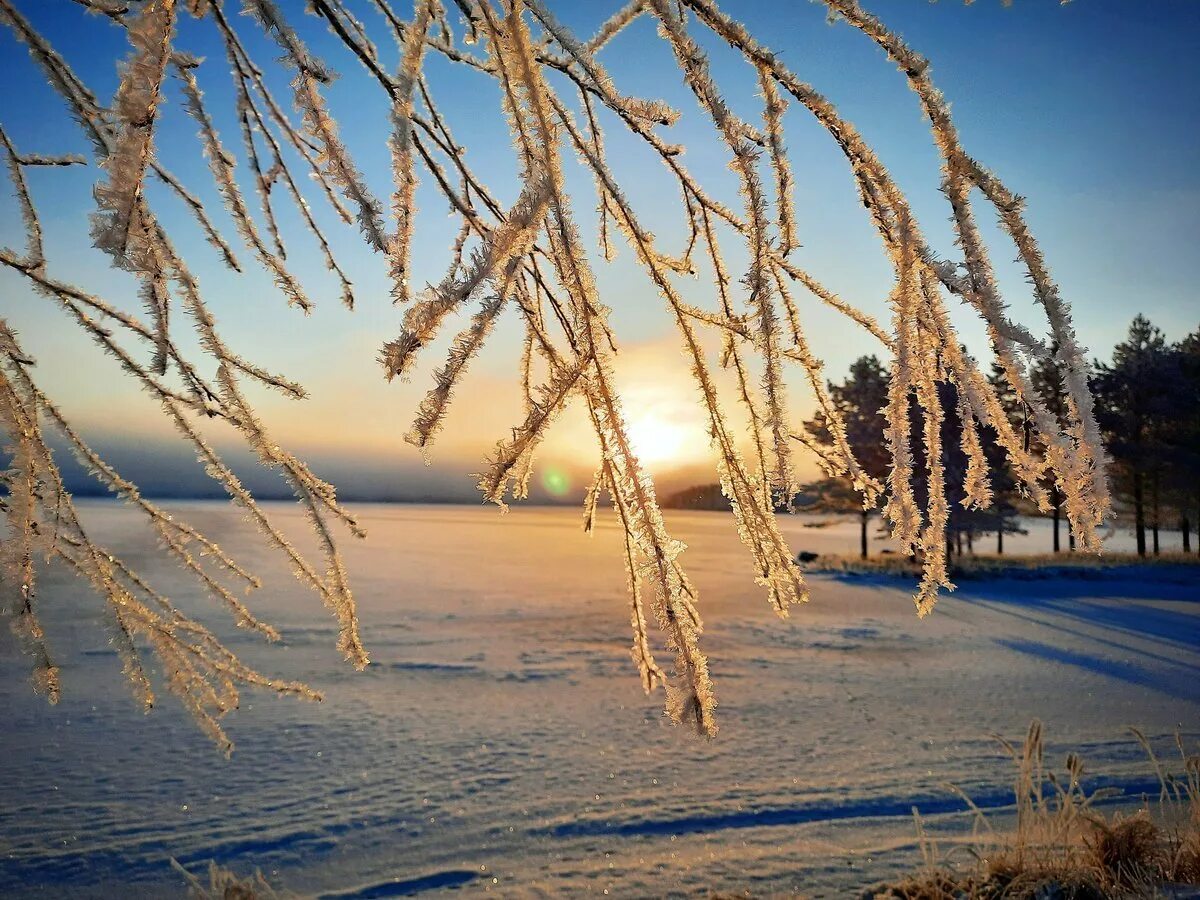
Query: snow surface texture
(500, 739)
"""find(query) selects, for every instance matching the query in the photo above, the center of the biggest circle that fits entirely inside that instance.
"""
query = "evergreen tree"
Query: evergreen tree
(1183, 438)
(1134, 411)
(1005, 490)
(963, 522)
(1047, 378)
(860, 400)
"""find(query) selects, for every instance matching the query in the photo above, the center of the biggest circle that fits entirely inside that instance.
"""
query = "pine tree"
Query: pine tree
(860, 400)
(1183, 438)
(1047, 378)
(1004, 512)
(964, 517)
(1133, 410)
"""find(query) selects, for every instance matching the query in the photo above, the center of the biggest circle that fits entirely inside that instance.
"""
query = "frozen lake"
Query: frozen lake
(501, 741)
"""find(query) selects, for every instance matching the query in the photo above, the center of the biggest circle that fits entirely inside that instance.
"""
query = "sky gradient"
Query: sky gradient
(1090, 110)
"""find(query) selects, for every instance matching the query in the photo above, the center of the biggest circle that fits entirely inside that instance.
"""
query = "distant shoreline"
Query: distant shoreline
(92, 496)
(1172, 566)
(277, 498)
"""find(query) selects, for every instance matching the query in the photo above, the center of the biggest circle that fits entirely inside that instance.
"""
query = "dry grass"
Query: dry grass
(224, 884)
(1062, 848)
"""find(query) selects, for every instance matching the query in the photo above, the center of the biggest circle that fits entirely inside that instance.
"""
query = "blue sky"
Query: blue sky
(1089, 109)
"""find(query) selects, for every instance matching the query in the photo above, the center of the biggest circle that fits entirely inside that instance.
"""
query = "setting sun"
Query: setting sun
(655, 439)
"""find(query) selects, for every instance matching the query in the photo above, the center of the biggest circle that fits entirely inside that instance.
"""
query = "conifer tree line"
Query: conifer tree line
(270, 150)
(1148, 409)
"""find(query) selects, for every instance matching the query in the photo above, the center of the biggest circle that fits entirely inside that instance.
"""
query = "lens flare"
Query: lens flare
(555, 481)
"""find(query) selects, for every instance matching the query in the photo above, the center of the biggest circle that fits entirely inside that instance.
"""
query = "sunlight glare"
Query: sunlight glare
(656, 440)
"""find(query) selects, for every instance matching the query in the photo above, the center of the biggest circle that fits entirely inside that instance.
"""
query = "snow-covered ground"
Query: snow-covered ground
(501, 741)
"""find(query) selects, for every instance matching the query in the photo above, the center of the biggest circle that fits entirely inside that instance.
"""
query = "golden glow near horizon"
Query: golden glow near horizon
(656, 439)
(667, 425)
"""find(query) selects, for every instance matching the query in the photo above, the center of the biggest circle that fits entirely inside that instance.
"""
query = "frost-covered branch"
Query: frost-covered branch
(524, 259)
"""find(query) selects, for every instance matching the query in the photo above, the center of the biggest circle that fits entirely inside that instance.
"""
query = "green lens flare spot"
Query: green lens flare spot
(555, 481)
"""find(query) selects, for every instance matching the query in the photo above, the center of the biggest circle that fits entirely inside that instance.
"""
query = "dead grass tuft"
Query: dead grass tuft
(224, 884)
(1062, 847)
(1130, 851)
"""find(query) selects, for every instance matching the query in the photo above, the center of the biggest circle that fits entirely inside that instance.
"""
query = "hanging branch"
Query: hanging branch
(527, 260)
(336, 162)
(403, 172)
(189, 670)
(136, 108)
(222, 165)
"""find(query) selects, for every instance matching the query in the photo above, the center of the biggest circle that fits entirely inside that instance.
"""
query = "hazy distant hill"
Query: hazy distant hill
(168, 470)
(709, 497)
(704, 496)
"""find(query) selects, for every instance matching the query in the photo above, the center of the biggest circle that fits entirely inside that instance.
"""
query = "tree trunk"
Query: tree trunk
(1000, 539)
(1070, 537)
(1057, 516)
(1154, 511)
(863, 534)
(971, 541)
(1185, 529)
(1139, 513)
